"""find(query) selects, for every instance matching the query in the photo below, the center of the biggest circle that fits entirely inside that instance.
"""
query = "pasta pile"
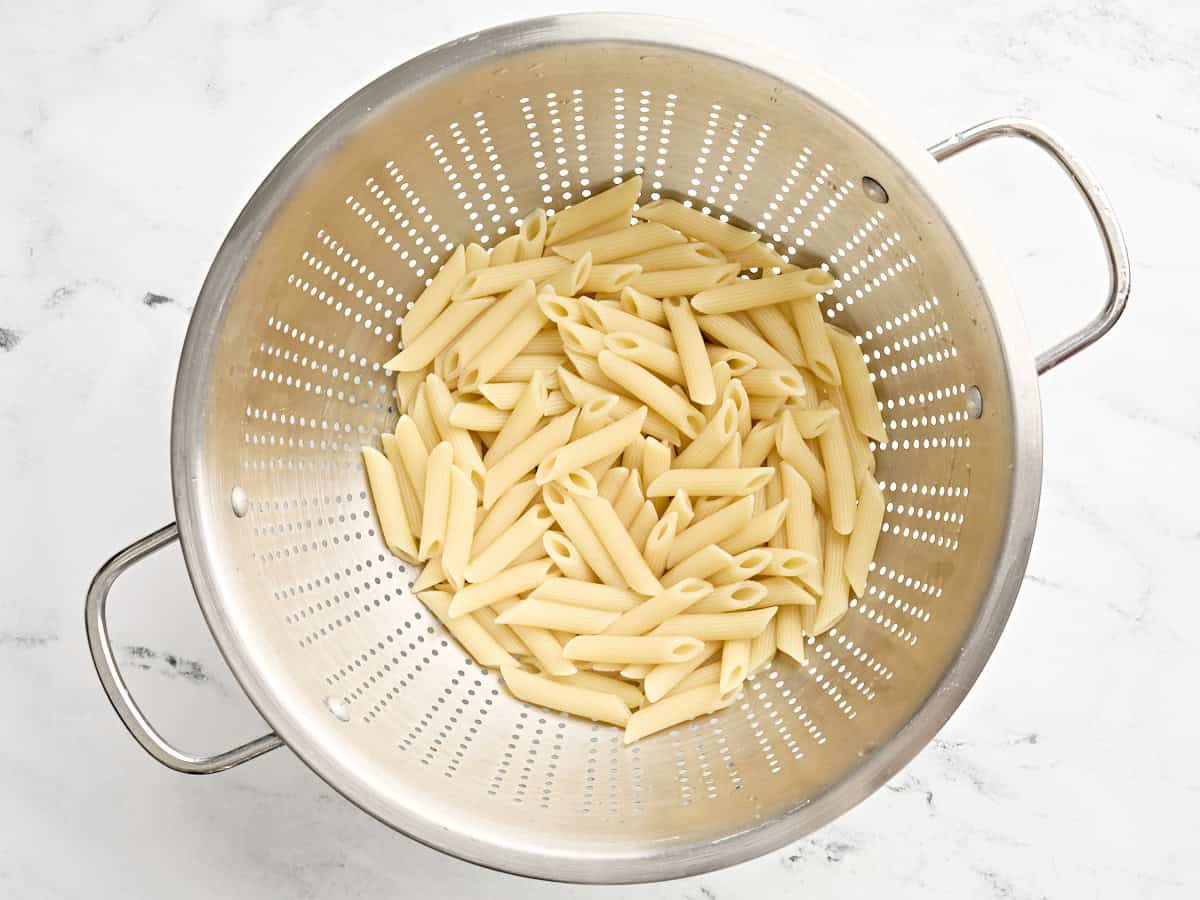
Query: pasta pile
(632, 474)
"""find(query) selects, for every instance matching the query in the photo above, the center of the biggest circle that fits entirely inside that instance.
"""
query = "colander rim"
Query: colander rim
(189, 476)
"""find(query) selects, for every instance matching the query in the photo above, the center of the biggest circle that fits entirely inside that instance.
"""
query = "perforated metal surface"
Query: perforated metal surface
(281, 382)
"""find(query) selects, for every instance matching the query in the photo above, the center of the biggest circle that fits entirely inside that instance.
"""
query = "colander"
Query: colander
(280, 382)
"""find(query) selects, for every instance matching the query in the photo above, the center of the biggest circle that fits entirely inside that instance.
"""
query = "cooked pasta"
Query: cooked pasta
(633, 474)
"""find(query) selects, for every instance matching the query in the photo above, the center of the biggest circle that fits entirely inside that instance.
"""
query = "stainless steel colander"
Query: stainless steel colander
(280, 382)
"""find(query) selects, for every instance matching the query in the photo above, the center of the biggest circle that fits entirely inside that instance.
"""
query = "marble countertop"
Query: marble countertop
(131, 134)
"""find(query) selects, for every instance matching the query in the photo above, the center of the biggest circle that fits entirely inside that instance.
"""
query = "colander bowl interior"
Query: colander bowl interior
(281, 382)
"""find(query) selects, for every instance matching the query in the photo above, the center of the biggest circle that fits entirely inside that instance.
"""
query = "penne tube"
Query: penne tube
(565, 555)
(622, 220)
(743, 567)
(510, 582)
(772, 383)
(860, 549)
(695, 224)
(642, 524)
(710, 482)
(653, 392)
(638, 304)
(531, 236)
(814, 338)
(681, 506)
(406, 388)
(579, 483)
(610, 278)
(748, 293)
(503, 515)
(811, 423)
(522, 423)
(730, 456)
(689, 345)
(758, 444)
(789, 635)
(436, 296)
(477, 416)
(385, 492)
(662, 606)
(580, 701)
(588, 594)
(557, 616)
(579, 453)
(856, 384)
(601, 207)
(408, 493)
(788, 563)
(834, 599)
(431, 575)
(617, 543)
(500, 553)
(545, 648)
(483, 330)
(610, 485)
(525, 456)
(797, 453)
(580, 338)
(438, 335)
(665, 677)
(620, 244)
(736, 336)
(737, 362)
(659, 542)
(706, 675)
(577, 528)
(758, 530)
(460, 527)
(660, 360)
(776, 328)
(718, 626)
(607, 648)
(500, 279)
(610, 319)
(676, 282)
(559, 309)
(735, 664)
(523, 365)
(705, 563)
(762, 648)
(629, 499)
(476, 258)
(629, 694)
(504, 347)
(731, 598)
(673, 710)
(780, 591)
(757, 256)
(680, 256)
(839, 476)
(800, 530)
(475, 639)
(501, 634)
(721, 526)
(436, 502)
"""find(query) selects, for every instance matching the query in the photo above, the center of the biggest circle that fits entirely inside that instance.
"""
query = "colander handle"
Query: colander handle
(1098, 205)
(114, 685)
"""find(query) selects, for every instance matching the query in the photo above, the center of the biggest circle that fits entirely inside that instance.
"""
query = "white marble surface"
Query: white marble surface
(130, 135)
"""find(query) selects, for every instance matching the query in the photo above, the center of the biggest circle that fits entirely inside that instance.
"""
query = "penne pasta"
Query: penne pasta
(576, 527)
(835, 598)
(718, 626)
(641, 526)
(638, 304)
(579, 701)
(707, 562)
(436, 296)
(531, 236)
(658, 544)
(736, 336)
(473, 416)
(680, 256)
(742, 567)
(483, 330)
(732, 598)
(653, 392)
(557, 616)
(385, 492)
(749, 293)
(626, 692)
(759, 529)
(460, 526)
(525, 456)
(762, 648)
(789, 634)
(721, 526)
(735, 664)
(814, 339)
(586, 593)
(469, 632)
(510, 582)
(689, 345)
(659, 360)
(620, 244)
(674, 282)
(860, 549)
(408, 493)
(773, 323)
(667, 603)
(839, 476)
(610, 278)
(499, 554)
(695, 224)
(438, 335)
(503, 278)
(579, 453)
(617, 543)
(856, 384)
(436, 502)
(607, 648)
(565, 556)
(797, 453)
(710, 482)
(661, 679)
(588, 213)
(673, 710)
(681, 506)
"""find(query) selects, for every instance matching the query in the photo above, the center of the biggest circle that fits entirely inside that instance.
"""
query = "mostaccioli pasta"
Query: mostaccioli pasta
(634, 459)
